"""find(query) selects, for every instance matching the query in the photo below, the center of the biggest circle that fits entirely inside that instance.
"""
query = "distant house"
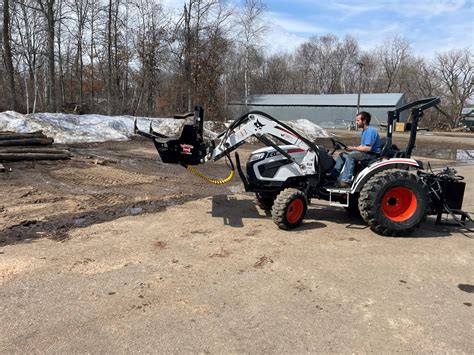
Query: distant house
(468, 113)
(328, 111)
(468, 117)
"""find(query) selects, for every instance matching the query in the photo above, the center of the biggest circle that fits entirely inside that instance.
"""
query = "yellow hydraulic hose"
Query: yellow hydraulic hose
(209, 180)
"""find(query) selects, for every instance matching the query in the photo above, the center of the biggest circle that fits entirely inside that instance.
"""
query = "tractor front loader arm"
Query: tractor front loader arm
(190, 148)
(264, 127)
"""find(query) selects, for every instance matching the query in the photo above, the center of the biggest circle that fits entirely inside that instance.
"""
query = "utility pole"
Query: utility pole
(361, 65)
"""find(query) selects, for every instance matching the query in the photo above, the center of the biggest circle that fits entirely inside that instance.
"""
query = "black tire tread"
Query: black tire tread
(280, 205)
(368, 195)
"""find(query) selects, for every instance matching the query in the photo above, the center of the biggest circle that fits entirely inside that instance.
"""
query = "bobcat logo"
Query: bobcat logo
(258, 125)
(186, 149)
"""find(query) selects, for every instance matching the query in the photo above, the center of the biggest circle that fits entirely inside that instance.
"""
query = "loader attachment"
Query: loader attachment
(187, 149)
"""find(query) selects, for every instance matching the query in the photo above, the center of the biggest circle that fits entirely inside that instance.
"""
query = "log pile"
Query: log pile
(29, 146)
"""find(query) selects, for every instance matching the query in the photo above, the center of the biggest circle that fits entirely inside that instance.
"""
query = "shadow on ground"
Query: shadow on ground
(234, 210)
(58, 226)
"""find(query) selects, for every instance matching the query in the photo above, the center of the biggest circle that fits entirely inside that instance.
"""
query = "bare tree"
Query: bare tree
(190, 37)
(110, 102)
(29, 46)
(151, 44)
(92, 17)
(7, 54)
(81, 10)
(48, 9)
(277, 75)
(392, 54)
(211, 61)
(252, 29)
(328, 65)
(455, 72)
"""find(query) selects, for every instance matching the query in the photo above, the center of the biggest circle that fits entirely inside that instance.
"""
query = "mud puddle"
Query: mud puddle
(464, 156)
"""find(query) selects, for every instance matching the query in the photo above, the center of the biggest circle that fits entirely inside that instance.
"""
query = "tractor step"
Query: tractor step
(337, 193)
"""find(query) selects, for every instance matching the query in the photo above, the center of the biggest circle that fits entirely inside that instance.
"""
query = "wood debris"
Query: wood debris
(29, 146)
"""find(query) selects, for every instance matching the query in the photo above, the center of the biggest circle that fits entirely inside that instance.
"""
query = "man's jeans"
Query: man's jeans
(345, 164)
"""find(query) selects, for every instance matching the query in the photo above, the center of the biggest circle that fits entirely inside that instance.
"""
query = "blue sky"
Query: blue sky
(429, 25)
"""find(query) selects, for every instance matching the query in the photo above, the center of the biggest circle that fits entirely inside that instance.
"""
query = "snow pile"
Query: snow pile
(308, 129)
(69, 128)
(16, 122)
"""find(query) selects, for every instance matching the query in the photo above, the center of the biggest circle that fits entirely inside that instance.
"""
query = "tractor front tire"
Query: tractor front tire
(289, 208)
(393, 202)
(265, 201)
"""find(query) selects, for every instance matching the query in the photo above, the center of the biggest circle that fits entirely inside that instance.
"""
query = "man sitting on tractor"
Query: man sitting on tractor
(370, 146)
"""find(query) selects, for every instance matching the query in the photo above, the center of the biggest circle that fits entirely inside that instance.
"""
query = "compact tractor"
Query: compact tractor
(392, 192)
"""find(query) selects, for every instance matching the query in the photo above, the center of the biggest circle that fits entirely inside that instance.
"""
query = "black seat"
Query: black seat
(389, 150)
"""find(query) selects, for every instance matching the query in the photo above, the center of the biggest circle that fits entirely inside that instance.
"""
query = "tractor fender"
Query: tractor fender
(380, 165)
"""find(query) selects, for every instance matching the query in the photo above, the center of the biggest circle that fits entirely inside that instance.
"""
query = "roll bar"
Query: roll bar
(417, 111)
(427, 103)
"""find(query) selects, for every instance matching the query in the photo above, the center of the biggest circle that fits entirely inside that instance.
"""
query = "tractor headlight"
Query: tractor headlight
(257, 156)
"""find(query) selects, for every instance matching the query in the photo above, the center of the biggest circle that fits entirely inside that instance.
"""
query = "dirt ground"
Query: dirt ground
(114, 251)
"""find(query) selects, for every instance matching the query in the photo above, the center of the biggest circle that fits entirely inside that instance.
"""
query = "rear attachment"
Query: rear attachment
(446, 190)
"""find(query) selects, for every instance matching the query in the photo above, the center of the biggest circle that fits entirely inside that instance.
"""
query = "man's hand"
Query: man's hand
(351, 148)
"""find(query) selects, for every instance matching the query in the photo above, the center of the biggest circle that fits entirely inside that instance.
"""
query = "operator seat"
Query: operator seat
(387, 151)
(390, 150)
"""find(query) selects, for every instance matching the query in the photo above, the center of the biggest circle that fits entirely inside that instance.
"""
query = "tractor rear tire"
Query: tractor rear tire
(393, 202)
(289, 208)
(265, 201)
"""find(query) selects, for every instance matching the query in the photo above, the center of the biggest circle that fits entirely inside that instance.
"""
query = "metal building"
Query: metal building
(468, 118)
(328, 111)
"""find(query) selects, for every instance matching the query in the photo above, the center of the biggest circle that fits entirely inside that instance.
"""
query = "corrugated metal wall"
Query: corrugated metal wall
(326, 117)
(339, 116)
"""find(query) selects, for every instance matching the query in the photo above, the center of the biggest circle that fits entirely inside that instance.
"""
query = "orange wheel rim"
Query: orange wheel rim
(295, 210)
(399, 204)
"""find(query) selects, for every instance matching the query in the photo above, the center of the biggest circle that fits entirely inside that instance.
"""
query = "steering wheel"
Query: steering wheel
(337, 145)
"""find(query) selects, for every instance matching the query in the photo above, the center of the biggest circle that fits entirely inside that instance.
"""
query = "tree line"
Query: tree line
(136, 57)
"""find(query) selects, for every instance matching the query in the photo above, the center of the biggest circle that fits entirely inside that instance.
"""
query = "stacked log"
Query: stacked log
(29, 146)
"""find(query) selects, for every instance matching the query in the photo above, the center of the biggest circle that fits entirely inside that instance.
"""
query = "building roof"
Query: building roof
(366, 100)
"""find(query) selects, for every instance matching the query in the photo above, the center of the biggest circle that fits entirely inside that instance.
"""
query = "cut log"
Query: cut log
(29, 141)
(9, 135)
(33, 156)
(32, 149)
(13, 132)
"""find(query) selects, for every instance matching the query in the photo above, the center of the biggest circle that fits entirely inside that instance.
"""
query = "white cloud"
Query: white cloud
(369, 39)
(427, 8)
(352, 9)
(292, 25)
(419, 8)
(278, 40)
(172, 4)
(285, 34)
